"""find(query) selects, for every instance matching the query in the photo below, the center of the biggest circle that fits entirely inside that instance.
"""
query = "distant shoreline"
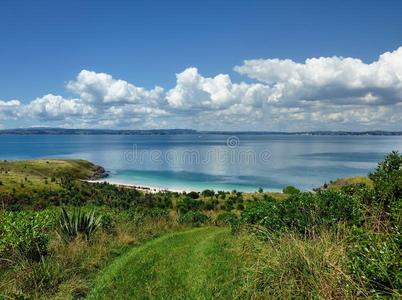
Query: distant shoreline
(62, 131)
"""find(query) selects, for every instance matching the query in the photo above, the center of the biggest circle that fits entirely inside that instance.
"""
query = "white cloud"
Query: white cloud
(321, 93)
(330, 79)
(52, 107)
(95, 87)
(193, 91)
(10, 109)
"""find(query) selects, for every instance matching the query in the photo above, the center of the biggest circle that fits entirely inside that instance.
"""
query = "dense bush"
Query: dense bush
(188, 204)
(376, 259)
(208, 193)
(226, 218)
(194, 218)
(193, 195)
(266, 213)
(387, 180)
(290, 190)
(361, 191)
(24, 234)
(304, 212)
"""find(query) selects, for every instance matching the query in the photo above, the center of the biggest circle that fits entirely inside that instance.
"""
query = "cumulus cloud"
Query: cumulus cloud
(10, 109)
(52, 107)
(193, 91)
(103, 88)
(320, 93)
(335, 80)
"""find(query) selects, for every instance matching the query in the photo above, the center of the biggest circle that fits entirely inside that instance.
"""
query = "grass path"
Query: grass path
(194, 264)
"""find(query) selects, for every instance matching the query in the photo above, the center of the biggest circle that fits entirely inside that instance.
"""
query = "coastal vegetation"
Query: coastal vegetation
(64, 238)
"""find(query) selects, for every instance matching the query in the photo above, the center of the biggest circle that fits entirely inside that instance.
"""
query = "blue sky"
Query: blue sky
(44, 45)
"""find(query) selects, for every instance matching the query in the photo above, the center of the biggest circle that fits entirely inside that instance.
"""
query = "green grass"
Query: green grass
(27, 176)
(194, 264)
(341, 182)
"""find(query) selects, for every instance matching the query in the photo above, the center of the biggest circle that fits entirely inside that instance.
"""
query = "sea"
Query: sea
(242, 162)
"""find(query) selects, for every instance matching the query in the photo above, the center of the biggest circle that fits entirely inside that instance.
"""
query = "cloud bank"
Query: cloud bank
(320, 93)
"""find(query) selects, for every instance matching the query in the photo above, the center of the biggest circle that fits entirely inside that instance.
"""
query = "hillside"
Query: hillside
(30, 176)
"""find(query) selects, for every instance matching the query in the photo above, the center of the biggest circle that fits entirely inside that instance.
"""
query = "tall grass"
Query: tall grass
(289, 266)
(67, 270)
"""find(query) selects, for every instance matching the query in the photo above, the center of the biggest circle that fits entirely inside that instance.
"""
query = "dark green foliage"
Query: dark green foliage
(193, 195)
(387, 180)
(221, 194)
(376, 259)
(156, 213)
(24, 234)
(78, 222)
(290, 190)
(188, 204)
(195, 218)
(107, 222)
(361, 191)
(266, 213)
(304, 212)
(209, 205)
(208, 193)
(226, 218)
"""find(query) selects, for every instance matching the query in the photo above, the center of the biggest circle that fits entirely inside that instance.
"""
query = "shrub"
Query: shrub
(240, 206)
(195, 218)
(78, 222)
(185, 205)
(304, 212)
(209, 205)
(208, 193)
(361, 191)
(24, 234)
(266, 213)
(337, 207)
(226, 218)
(375, 259)
(387, 179)
(107, 222)
(156, 213)
(193, 195)
(290, 190)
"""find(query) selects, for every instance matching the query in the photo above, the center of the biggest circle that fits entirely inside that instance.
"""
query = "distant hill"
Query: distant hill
(64, 131)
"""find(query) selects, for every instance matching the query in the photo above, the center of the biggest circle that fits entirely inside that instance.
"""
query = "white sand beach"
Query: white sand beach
(145, 189)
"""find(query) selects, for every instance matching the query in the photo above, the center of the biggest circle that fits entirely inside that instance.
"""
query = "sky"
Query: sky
(207, 65)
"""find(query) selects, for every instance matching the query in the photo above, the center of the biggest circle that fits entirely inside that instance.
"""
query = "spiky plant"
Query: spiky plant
(78, 222)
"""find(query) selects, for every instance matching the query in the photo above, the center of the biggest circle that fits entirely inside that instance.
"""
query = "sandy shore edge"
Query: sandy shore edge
(145, 189)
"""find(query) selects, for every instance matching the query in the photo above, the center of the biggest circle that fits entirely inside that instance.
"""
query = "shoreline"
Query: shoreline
(143, 188)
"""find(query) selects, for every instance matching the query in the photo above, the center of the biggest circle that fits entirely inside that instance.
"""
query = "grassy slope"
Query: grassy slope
(341, 182)
(25, 176)
(195, 264)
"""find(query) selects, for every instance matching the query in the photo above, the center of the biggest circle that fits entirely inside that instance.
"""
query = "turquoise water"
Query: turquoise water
(221, 162)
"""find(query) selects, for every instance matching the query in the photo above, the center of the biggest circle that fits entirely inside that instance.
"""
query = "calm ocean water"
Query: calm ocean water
(221, 162)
